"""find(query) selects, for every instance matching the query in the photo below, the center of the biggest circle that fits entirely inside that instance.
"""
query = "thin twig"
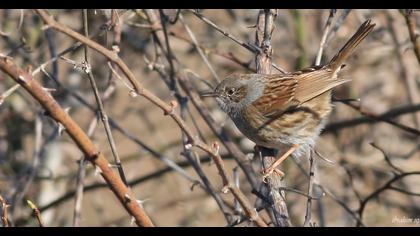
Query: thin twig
(227, 182)
(384, 187)
(342, 204)
(265, 27)
(32, 171)
(101, 109)
(337, 25)
(392, 113)
(414, 36)
(409, 80)
(292, 190)
(351, 180)
(8, 93)
(198, 48)
(405, 191)
(125, 196)
(205, 182)
(329, 193)
(51, 60)
(77, 210)
(312, 167)
(37, 213)
(386, 157)
(81, 173)
(301, 60)
(237, 184)
(95, 186)
(168, 53)
(382, 117)
(252, 48)
(229, 55)
(7, 34)
(324, 37)
(4, 212)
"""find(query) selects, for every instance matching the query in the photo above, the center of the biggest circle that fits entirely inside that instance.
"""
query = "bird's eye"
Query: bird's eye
(231, 91)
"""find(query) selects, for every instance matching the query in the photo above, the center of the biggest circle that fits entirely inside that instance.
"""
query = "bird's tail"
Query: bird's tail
(349, 47)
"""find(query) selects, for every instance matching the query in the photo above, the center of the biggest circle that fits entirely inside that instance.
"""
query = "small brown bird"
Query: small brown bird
(285, 111)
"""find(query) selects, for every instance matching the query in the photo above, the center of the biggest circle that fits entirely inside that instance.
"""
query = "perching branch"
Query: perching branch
(265, 27)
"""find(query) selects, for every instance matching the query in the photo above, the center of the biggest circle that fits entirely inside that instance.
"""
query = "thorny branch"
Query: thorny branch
(76, 133)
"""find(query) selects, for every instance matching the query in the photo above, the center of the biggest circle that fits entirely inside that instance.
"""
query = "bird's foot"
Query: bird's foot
(266, 173)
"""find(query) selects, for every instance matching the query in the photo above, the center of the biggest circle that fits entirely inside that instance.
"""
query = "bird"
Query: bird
(285, 111)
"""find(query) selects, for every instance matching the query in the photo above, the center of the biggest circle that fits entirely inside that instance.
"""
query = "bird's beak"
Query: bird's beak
(208, 94)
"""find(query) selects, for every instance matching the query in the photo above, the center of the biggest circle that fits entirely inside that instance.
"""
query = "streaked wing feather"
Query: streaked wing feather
(277, 96)
(295, 89)
(313, 84)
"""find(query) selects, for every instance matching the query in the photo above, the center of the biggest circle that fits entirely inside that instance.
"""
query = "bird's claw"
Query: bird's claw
(269, 171)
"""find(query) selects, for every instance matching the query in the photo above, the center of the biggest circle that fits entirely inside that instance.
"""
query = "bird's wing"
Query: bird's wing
(278, 94)
(285, 91)
(314, 83)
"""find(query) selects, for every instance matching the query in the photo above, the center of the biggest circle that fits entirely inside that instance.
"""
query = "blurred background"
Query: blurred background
(374, 145)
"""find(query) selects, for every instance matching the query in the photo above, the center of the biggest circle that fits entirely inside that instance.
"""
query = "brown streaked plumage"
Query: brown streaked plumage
(286, 110)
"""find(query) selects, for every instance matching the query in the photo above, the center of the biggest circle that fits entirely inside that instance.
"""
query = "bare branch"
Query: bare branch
(79, 137)
(265, 27)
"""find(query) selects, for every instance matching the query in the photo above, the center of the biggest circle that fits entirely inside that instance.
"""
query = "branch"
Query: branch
(312, 166)
(324, 37)
(95, 186)
(410, 82)
(123, 194)
(265, 27)
(4, 215)
(37, 213)
(411, 25)
(384, 117)
(252, 48)
(198, 48)
(384, 187)
(332, 196)
(101, 109)
(395, 112)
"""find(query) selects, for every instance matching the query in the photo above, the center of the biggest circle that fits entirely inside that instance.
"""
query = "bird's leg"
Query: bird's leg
(273, 167)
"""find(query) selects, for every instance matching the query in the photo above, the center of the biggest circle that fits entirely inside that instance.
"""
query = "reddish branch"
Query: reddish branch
(123, 194)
